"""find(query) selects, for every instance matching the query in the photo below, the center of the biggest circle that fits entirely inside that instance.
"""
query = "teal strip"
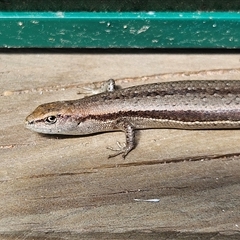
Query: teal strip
(120, 30)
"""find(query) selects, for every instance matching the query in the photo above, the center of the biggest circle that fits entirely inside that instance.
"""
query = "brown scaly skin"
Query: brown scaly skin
(182, 104)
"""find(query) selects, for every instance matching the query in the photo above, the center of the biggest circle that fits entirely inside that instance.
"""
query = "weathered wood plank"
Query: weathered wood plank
(65, 186)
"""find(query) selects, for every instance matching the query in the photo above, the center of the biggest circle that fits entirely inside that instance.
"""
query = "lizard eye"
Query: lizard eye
(51, 119)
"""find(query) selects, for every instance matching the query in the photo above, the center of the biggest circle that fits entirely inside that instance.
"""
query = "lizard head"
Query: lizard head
(52, 118)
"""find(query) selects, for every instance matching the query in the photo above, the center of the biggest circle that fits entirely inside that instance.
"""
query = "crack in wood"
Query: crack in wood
(134, 164)
(145, 78)
(175, 160)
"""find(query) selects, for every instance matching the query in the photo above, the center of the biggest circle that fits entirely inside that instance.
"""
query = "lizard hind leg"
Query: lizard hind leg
(130, 144)
(120, 150)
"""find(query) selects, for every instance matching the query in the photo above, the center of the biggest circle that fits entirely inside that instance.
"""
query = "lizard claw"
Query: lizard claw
(121, 149)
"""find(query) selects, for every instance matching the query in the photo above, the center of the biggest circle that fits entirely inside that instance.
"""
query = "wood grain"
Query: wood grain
(55, 187)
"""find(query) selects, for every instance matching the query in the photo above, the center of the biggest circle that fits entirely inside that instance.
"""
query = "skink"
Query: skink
(181, 104)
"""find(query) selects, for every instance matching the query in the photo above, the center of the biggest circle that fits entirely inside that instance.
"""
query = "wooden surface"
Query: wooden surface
(55, 187)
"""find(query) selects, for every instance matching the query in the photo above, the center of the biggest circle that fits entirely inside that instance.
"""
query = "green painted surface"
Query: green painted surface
(120, 30)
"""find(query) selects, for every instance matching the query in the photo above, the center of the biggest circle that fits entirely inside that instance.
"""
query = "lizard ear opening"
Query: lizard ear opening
(50, 119)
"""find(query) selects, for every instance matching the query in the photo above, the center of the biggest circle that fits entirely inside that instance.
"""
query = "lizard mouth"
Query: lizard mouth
(28, 124)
